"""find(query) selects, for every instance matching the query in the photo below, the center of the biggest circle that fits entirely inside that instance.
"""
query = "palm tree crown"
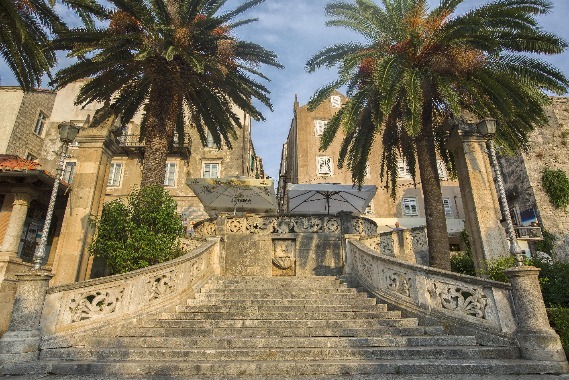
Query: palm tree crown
(176, 60)
(417, 69)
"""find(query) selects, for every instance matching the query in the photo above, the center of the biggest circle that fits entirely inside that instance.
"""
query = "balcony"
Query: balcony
(132, 143)
(528, 233)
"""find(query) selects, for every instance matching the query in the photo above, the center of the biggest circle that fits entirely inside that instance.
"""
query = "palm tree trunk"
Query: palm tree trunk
(162, 110)
(439, 253)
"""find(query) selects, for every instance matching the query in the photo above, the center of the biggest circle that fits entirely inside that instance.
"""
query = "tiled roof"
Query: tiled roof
(10, 162)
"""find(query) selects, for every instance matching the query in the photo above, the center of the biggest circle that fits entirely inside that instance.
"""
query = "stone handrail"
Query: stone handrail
(97, 302)
(466, 300)
(263, 224)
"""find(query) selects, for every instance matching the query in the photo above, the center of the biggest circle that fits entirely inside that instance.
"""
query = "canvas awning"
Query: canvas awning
(328, 198)
(235, 194)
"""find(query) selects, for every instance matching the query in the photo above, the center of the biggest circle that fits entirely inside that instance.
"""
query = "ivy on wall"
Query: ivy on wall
(556, 185)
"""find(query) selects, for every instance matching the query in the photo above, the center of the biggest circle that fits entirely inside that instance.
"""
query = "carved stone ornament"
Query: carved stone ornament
(307, 224)
(161, 286)
(258, 225)
(94, 304)
(465, 300)
(332, 225)
(399, 283)
(283, 253)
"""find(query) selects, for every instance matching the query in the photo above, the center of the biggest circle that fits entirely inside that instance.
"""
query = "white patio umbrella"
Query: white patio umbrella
(326, 198)
(235, 194)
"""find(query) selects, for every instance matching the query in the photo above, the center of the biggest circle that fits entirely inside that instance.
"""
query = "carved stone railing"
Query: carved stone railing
(97, 302)
(405, 244)
(418, 289)
(286, 224)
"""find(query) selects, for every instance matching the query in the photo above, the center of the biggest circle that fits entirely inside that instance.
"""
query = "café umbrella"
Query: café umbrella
(327, 198)
(235, 194)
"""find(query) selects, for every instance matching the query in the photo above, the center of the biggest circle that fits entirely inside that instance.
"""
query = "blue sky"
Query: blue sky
(295, 30)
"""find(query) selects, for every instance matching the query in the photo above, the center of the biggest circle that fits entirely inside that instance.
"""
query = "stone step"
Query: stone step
(279, 332)
(351, 301)
(282, 354)
(379, 308)
(290, 315)
(261, 369)
(293, 280)
(281, 324)
(321, 296)
(292, 342)
(275, 285)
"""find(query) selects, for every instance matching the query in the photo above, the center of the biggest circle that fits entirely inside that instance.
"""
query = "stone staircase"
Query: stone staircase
(280, 326)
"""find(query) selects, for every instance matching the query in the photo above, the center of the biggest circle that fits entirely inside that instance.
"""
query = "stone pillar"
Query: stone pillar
(97, 146)
(13, 233)
(481, 207)
(22, 340)
(536, 338)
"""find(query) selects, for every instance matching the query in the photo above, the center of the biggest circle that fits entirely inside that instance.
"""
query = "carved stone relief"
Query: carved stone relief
(161, 286)
(94, 303)
(284, 257)
(462, 299)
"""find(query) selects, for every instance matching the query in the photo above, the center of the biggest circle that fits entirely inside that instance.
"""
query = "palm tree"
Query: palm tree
(25, 35)
(417, 69)
(177, 61)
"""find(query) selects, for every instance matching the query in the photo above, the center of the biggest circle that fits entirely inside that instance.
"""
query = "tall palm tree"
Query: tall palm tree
(177, 61)
(417, 68)
(25, 34)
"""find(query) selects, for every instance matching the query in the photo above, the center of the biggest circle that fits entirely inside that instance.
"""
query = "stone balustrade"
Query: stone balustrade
(405, 244)
(463, 300)
(97, 302)
(257, 224)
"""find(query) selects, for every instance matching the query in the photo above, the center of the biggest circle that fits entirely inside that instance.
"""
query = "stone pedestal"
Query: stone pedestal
(97, 146)
(536, 338)
(15, 224)
(479, 197)
(21, 342)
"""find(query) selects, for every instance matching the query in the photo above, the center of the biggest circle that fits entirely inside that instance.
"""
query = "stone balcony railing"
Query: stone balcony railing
(255, 224)
(98, 302)
(459, 300)
(528, 233)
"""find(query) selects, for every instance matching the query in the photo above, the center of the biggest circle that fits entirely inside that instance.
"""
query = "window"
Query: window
(367, 172)
(69, 171)
(441, 167)
(319, 127)
(335, 101)
(368, 210)
(115, 175)
(448, 207)
(210, 170)
(40, 124)
(403, 170)
(410, 206)
(31, 157)
(170, 174)
(324, 165)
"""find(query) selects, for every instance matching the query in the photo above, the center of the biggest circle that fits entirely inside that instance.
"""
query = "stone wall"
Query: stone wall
(548, 148)
(23, 141)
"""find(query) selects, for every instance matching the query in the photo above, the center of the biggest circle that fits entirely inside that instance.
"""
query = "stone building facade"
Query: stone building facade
(303, 162)
(101, 166)
(548, 148)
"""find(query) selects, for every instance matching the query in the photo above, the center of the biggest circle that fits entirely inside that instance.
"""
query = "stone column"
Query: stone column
(21, 342)
(13, 233)
(97, 146)
(536, 338)
(481, 207)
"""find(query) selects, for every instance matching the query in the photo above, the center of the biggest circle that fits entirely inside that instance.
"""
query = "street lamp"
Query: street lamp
(67, 133)
(487, 128)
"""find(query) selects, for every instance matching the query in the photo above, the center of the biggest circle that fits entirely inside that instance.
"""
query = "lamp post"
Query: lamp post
(487, 128)
(67, 133)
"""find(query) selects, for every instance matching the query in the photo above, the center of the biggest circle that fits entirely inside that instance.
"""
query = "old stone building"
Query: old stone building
(548, 148)
(100, 166)
(303, 162)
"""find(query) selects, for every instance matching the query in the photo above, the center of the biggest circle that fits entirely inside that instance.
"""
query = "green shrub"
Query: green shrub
(559, 320)
(462, 262)
(495, 268)
(554, 280)
(547, 244)
(143, 231)
(556, 185)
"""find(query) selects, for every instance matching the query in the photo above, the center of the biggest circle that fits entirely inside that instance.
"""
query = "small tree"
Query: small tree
(140, 232)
